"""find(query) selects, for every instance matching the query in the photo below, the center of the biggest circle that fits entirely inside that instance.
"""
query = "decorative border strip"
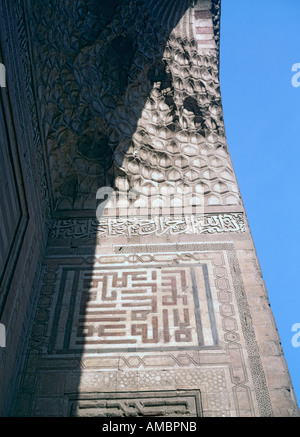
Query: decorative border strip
(158, 225)
(31, 133)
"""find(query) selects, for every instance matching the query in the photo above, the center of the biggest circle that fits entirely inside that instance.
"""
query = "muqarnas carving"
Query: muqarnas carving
(128, 100)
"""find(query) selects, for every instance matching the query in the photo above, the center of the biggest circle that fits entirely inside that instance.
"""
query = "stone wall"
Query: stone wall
(130, 315)
(23, 197)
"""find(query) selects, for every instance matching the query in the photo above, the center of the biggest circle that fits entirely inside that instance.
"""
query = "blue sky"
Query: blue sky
(260, 42)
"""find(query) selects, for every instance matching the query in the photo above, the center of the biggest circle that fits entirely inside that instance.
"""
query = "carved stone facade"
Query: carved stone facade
(129, 97)
(126, 315)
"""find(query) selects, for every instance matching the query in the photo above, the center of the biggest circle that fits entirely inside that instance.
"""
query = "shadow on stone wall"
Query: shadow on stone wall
(96, 66)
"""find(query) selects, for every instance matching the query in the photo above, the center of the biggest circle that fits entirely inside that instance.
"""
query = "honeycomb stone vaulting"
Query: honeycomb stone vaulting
(131, 312)
(130, 97)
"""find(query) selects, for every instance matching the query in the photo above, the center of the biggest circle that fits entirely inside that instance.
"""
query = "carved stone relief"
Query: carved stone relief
(127, 96)
(182, 403)
(128, 102)
(159, 225)
(122, 346)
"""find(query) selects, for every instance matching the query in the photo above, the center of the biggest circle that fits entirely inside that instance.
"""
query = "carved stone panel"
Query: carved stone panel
(137, 308)
(180, 403)
(142, 322)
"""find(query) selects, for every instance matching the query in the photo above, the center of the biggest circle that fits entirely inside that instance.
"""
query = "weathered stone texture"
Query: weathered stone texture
(130, 99)
(165, 315)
